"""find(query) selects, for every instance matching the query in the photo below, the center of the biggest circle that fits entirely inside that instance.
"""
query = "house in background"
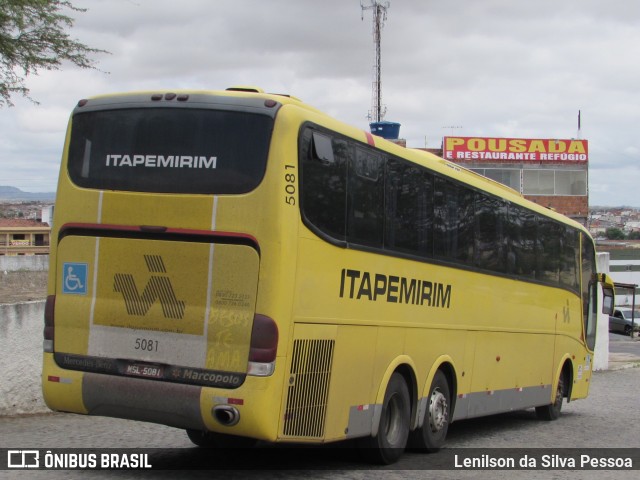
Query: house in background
(24, 237)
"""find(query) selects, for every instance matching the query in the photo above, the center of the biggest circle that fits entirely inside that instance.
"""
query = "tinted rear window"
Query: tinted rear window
(169, 150)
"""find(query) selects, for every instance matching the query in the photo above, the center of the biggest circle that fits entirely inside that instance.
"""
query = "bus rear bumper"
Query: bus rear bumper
(173, 404)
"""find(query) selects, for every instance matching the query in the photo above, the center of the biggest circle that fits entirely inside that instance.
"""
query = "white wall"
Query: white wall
(28, 263)
(21, 327)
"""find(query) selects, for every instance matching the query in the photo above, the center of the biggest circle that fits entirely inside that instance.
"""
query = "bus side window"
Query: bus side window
(523, 233)
(589, 291)
(550, 237)
(365, 199)
(454, 222)
(409, 205)
(490, 238)
(323, 163)
(569, 259)
(322, 148)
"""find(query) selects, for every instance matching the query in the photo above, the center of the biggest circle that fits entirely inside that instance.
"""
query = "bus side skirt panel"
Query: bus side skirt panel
(478, 404)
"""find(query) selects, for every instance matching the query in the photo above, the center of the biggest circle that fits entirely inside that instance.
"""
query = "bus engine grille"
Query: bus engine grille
(308, 388)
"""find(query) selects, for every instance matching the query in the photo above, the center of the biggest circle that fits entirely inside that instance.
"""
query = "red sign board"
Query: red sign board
(501, 150)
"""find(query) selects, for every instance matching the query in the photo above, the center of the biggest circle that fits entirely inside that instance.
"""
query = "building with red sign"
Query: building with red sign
(550, 172)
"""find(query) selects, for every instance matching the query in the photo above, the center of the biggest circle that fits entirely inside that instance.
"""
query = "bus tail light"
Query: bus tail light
(48, 333)
(264, 346)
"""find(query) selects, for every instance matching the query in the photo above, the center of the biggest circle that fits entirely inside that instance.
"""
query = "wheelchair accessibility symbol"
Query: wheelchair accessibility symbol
(74, 278)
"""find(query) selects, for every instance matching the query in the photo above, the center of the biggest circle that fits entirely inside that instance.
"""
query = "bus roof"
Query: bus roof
(418, 156)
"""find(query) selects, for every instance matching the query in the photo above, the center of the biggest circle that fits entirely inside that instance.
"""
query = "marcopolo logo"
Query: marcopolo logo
(158, 287)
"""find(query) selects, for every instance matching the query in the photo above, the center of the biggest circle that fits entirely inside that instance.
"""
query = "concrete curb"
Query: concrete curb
(621, 361)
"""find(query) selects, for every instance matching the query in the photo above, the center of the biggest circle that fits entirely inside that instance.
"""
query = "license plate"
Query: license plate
(147, 371)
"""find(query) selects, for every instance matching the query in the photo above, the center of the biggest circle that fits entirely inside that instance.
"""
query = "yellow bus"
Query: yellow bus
(242, 266)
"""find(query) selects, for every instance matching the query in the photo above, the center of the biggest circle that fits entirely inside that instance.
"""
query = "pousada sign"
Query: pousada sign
(515, 149)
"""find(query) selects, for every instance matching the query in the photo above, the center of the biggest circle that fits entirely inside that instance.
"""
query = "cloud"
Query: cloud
(495, 68)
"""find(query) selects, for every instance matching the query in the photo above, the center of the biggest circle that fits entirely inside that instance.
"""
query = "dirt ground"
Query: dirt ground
(18, 287)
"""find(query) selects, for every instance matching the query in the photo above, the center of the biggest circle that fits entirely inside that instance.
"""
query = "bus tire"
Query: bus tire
(552, 411)
(219, 440)
(388, 445)
(431, 436)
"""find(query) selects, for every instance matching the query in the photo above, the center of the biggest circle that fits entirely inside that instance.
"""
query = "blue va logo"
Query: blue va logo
(74, 278)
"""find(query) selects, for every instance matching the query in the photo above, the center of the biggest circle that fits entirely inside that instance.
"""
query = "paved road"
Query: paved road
(608, 418)
(624, 344)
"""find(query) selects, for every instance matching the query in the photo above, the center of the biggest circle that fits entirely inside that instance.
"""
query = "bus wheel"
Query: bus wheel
(390, 441)
(552, 411)
(219, 440)
(430, 437)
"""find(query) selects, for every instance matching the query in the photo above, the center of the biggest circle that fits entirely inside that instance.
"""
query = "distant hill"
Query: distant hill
(15, 194)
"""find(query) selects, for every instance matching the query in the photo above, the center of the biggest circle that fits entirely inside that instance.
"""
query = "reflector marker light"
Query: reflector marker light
(228, 401)
(55, 379)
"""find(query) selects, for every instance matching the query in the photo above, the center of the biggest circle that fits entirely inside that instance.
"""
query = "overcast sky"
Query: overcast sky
(504, 68)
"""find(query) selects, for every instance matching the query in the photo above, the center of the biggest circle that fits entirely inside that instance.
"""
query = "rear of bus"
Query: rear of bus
(161, 307)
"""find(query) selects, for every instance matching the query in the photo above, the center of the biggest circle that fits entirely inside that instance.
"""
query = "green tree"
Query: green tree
(33, 38)
(614, 233)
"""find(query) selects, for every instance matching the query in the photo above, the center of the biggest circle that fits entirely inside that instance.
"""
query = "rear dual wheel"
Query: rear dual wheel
(388, 444)
(431, 436)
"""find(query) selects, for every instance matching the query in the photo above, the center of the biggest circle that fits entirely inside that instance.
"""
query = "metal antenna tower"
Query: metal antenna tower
(379, 17)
